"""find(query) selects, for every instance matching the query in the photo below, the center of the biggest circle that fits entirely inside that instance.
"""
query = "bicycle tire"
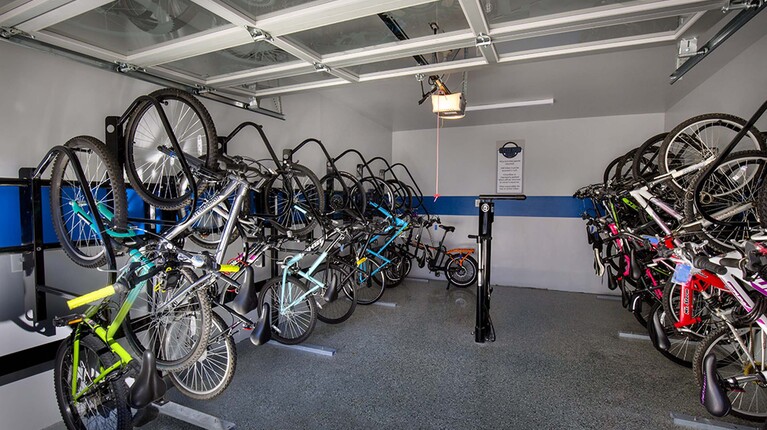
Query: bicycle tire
(295, 325)
(682, 348)
(340, 309)
(337, 202)
(145, 134)
(695, 139)
(645, 164)
(641, 307)
(402, 197)
(369, 287)
(212, 373)
(715, 343)
(734, 183)
(294, 209)
(610, 171)
(74, 232)
(143, 329)
(394, 271)
(109, 400)
(465, 274)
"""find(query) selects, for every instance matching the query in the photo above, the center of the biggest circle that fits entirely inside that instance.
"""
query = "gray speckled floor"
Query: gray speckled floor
(557, 363)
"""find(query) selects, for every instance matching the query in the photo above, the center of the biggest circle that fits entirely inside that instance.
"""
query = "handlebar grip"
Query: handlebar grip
(702, 262)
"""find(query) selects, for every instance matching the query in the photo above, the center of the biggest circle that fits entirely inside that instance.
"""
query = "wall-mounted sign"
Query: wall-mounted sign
(511, 156)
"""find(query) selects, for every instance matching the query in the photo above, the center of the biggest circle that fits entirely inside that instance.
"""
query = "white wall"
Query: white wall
(48, 99)
(560, 156)
(737, 88)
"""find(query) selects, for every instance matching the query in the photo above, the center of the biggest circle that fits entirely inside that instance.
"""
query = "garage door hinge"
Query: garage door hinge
(259, 35)
(741, 4)
(483, 40)
(8, 32)
(127, 68)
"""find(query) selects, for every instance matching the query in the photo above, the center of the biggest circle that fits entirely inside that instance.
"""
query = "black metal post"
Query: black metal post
(483, 330)
(483, 327)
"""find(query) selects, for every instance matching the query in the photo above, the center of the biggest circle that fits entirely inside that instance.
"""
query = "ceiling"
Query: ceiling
(256, 49)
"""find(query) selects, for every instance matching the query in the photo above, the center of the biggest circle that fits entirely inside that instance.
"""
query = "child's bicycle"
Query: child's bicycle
(93, 373)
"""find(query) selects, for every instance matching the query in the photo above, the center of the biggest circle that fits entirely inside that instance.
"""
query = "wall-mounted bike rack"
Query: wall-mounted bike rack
(483, 329)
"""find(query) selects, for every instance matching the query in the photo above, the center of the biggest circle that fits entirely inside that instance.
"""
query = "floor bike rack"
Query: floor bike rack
(483, 330)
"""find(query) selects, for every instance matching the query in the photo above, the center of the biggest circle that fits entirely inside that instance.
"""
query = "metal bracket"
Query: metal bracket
(127, 68)
(740, 4)
(483, 40)
(259, 35)
(319, 67)
(202, 89)
(688, 47)
(8, 32)
(420, 77)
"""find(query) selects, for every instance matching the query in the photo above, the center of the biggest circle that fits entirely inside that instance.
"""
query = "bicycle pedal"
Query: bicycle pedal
(67, 320)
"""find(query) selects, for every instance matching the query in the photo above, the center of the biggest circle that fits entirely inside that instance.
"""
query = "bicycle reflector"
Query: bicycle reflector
(510, 151)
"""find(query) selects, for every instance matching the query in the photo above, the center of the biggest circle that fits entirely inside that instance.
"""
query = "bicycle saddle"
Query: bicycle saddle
(247, 298)
(712, 395)
(149, 386)
(448, 228)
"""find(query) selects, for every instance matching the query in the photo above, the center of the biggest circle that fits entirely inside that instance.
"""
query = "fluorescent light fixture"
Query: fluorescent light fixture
(522, 103)
(448, 106)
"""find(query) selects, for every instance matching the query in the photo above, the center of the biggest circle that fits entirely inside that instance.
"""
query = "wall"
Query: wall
(737, 88)
(560, 156)
(48, 99)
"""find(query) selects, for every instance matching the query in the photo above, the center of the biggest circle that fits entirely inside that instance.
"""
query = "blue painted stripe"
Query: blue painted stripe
(534, 206)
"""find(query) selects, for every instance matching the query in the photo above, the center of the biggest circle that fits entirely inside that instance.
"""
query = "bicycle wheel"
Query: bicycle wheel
(401, 193)
(378, 193)
(106, 405)
(394, 271)
(645, 164)
(683, 346)
(339, 197)
(212, 373)
(157, 175)
(70, 212)
(729, 195)
(207, 231)
(294, 312)
(177, 332)
(750, 402)
(698, 138)
(610, 171)
(462, 274)
(294, 200)
(340, 309)
(369, 281)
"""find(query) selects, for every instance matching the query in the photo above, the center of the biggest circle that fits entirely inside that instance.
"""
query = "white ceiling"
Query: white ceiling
(272, 47)
(617, 82)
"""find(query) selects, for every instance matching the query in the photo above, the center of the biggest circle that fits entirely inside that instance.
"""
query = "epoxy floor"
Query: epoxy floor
(557, 363)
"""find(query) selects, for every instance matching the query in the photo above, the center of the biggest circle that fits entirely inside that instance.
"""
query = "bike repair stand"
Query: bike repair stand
(483, 330)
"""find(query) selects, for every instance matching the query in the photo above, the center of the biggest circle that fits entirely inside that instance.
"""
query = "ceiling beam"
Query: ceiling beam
(20, 11)
(599, 17)
(63, 13)
(79, 47)
(472, 9)
(390, 51)
(580, 48)
(426, 70)
(276, 71)
(301, 18)
(191, 46)
(300, 87)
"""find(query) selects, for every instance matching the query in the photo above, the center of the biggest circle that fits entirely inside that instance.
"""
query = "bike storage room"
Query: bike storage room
(383, 214)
